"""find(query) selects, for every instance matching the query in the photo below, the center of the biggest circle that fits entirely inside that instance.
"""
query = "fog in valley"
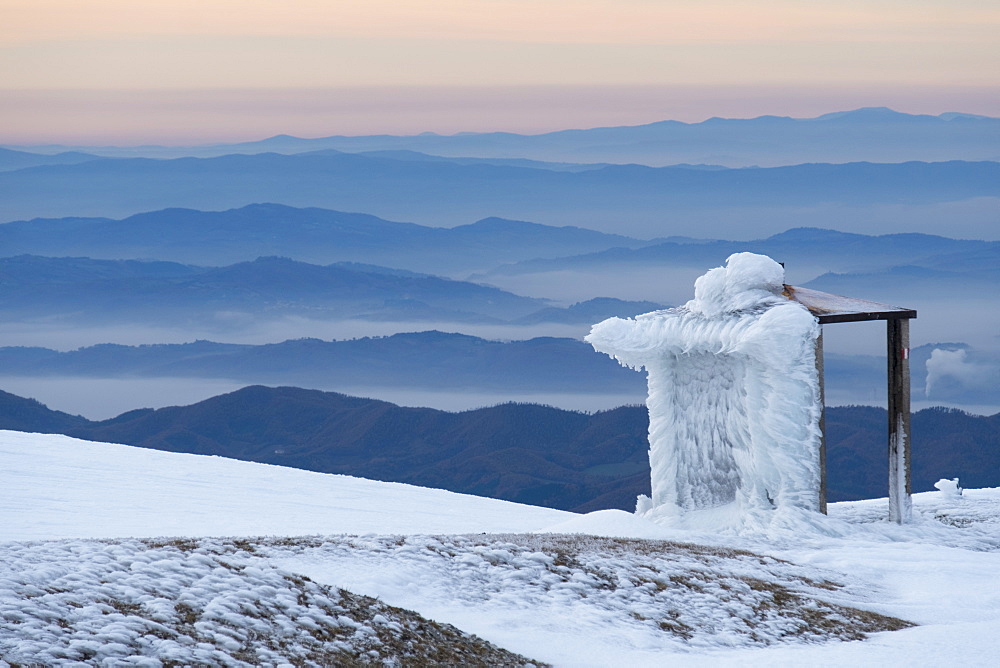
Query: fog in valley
(261, 248)
(260, 331)
(971, 320)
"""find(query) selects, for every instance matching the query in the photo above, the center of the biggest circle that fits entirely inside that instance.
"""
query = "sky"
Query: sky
(139, 71)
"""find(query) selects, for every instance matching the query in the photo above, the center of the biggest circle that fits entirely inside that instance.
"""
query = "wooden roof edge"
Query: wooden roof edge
(831, 308)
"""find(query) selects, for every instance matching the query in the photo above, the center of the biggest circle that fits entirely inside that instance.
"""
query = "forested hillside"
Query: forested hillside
(518, 452)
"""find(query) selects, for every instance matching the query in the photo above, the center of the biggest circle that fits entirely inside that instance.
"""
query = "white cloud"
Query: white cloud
(954, 365)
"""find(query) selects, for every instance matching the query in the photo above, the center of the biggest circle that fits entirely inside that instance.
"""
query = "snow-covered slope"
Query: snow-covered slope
(787, 598)
(61, 487)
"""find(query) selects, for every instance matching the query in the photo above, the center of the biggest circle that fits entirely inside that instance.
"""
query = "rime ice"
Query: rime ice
(733, 400)
(949, 488)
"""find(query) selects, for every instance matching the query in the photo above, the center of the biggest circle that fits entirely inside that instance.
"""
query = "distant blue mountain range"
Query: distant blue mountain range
(860, 257)
(625, 199)
(83, 290)
(429, 360)
(874, 134)
(261, 229)
(11, 160)
(323, 237)
(440, 361)
(310, 235)
(273, 260)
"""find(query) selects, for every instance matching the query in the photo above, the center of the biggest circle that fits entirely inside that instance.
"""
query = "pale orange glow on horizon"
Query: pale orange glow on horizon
(189, 117)
(538, 21)
(53, 52)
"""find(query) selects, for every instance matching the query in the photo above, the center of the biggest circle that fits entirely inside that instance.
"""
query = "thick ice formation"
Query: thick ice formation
(733, 400)
(949, 488)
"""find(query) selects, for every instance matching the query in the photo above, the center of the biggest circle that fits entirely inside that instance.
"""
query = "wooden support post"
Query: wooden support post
(822, 422)
(898, 340)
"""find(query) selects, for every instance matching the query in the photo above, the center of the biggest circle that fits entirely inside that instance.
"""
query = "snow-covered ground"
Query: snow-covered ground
(305, 549)
(59, 487)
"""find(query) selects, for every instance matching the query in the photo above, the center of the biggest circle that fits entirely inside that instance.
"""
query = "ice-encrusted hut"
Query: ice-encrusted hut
(736, 396)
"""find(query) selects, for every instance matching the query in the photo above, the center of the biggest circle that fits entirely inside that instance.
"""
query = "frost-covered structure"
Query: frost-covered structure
(734, 400)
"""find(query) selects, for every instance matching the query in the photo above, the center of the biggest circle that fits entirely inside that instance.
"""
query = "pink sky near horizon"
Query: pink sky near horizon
(202, 117)
(138, 71)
